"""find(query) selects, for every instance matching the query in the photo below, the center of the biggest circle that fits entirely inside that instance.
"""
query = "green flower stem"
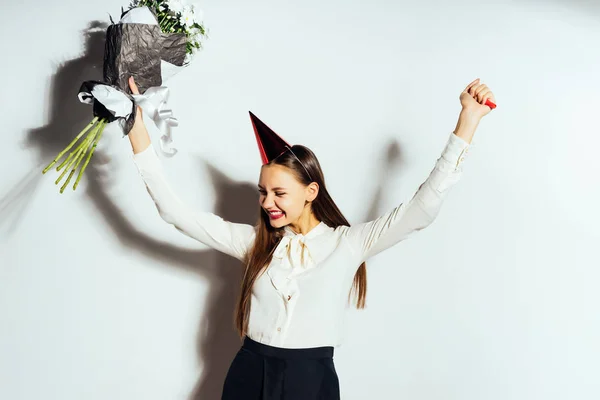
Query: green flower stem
(75, 154)
(84, 150)
(84, 130)
(79, 146)
(67, 161)
(80, 150)
(103, 122)
(172, 24)
(80, 157)
(75, 151)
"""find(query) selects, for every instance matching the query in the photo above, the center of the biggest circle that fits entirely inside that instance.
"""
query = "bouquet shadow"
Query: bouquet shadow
(66, 113)
(217, 341)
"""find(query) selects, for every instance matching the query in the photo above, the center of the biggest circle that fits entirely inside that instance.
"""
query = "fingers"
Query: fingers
(484, 94)
(476, 89)
(481, 92)
(135, 90)
(133, 86)
(470, 85)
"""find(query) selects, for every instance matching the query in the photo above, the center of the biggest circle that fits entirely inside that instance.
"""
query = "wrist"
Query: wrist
(469, 117)
(466, 125)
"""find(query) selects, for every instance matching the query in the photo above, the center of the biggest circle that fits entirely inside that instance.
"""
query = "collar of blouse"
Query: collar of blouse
(292, 256)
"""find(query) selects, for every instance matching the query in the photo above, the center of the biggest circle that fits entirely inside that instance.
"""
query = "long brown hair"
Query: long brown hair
(267, 237)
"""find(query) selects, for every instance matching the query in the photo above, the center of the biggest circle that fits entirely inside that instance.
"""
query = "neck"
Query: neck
(305, 223)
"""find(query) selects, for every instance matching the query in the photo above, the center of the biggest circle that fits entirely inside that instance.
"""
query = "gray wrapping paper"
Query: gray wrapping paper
(133, 49)
(137, 47)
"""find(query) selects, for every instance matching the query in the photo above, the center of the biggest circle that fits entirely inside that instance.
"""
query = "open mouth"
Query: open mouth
(275, 214)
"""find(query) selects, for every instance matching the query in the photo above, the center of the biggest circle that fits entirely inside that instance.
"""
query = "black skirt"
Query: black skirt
(262, 372)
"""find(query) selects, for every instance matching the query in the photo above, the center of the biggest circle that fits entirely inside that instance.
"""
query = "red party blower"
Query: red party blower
(490, 104)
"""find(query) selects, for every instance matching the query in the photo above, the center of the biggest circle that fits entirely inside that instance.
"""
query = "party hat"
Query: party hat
(270, 144)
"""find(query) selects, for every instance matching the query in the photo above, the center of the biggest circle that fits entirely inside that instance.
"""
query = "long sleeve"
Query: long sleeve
(230, 238)
(370, 238)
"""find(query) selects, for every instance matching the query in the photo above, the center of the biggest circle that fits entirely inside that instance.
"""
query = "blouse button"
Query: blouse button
(289, 297)
(278, 329)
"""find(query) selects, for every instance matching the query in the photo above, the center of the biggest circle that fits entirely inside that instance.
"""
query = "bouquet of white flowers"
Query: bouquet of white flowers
(152, 41)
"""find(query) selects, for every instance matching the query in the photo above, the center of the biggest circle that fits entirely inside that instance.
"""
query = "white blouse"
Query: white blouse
(299, 304)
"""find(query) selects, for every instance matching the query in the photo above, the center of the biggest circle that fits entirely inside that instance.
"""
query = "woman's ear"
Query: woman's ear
(312, 190)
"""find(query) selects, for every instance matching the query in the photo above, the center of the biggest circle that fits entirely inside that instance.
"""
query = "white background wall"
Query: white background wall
(498, 299)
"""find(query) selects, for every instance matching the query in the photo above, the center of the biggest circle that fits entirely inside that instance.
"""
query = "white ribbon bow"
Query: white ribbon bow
(294, 250)
(154, 103)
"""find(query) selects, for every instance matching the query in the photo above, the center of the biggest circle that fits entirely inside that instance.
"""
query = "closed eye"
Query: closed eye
(276, 193)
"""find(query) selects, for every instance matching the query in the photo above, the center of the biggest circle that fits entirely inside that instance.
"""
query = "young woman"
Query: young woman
(302, 260)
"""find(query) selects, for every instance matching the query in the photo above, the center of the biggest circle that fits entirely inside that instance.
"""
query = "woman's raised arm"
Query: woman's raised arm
(230, 238)
(372, 237)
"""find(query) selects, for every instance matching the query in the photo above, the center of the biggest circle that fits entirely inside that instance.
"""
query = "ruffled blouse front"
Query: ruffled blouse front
(291, 258)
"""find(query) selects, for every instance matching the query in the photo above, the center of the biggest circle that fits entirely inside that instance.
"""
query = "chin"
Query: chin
(278, 223)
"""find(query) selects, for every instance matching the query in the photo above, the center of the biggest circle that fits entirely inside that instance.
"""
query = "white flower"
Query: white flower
(187, 16)
(175, 5)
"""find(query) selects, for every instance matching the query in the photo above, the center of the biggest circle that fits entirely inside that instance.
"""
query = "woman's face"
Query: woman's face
(282, 197)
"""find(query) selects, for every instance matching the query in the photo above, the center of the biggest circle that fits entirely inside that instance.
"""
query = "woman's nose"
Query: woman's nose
(267, 201)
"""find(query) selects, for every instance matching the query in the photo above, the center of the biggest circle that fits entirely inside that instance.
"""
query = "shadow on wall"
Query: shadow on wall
(66, 115)
(217, 340)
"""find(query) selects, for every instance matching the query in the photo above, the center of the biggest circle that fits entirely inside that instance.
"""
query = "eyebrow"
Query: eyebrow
(275, 188)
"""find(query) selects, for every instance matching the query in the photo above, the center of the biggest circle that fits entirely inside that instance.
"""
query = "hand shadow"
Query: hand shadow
(391, 158)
